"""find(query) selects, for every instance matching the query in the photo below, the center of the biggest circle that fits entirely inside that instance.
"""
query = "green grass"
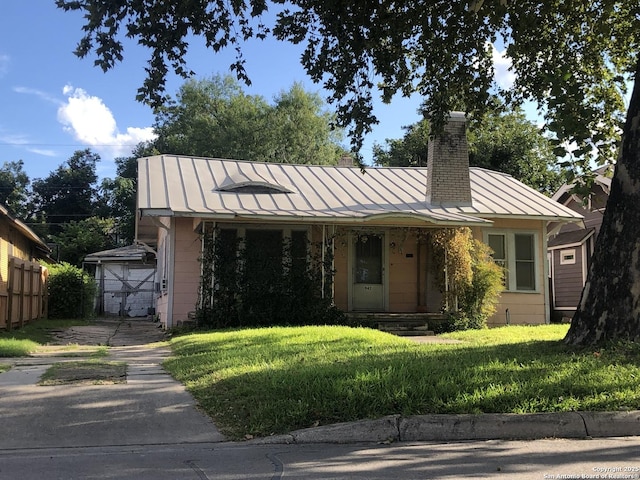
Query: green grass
(24, 341)
(273, 380)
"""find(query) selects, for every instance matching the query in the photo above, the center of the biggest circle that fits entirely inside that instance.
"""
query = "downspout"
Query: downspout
(418, 296)
(170, 271)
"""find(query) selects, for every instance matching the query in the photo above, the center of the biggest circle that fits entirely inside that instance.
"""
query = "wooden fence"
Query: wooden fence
(23, 297)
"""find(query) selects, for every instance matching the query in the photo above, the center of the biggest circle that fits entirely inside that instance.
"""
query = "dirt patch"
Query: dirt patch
(85, 373)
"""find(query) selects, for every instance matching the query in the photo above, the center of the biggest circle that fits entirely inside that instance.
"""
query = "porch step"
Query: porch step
(401, 324)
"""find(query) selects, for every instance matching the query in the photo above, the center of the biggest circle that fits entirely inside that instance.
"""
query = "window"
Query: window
(516, 253)
(568, 257)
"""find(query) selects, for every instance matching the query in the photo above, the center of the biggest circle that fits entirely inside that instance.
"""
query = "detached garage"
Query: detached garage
(125, 277)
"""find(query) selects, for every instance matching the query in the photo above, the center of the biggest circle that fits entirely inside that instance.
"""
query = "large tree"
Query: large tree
(571, 56)
(14, 189)
(68, 193)
(502, 141)
(215, 118)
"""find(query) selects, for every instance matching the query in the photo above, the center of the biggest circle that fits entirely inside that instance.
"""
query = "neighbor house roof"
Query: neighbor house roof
(42, 248)
(572, 238)
(220, 189)
(136, 253)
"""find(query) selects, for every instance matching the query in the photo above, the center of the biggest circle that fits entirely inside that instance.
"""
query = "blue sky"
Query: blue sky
(53, 103)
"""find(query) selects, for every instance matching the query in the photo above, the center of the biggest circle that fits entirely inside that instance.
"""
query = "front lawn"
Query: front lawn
(273, 380)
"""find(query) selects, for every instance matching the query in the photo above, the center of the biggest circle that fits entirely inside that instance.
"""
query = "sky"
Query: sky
(53, 103)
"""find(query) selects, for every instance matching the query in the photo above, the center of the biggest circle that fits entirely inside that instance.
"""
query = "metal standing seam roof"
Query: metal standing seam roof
(170, 185)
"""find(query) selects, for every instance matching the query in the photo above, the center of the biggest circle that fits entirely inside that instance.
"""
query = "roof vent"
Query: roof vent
(254, 187)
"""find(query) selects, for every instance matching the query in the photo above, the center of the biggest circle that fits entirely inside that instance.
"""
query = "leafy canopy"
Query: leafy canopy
(215, 118)
(570, 56)
(505, 142)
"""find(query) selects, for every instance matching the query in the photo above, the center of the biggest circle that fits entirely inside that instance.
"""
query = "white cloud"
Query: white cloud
(91, 122)
(38, 93)
(43, 152)
(501, 65)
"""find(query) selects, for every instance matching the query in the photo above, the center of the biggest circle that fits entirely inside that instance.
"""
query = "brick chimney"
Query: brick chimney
(448, 182)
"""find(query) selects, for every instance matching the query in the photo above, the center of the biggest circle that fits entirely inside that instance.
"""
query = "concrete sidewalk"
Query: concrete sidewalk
(153, 409)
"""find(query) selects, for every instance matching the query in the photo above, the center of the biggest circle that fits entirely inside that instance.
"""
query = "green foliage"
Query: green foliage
(69, 193)
(504, 142)
(511, 144)
(14, 189)
(472, 281)
(571, 57)
(77, 239)
(264, 280)
(215, 118)
(71, 292)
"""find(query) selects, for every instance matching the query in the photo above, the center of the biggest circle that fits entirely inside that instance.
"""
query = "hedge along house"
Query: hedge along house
(374, 223)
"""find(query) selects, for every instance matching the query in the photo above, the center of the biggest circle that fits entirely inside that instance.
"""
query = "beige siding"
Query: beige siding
(186, 279)
(524, 308)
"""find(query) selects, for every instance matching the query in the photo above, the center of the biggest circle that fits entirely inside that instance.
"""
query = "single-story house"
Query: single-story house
(374, 221)
(23, 291)
(571, 245)
(126, 280)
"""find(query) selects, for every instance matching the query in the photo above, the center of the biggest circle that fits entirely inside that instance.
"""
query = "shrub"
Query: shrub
(71, 292)
(473, 280)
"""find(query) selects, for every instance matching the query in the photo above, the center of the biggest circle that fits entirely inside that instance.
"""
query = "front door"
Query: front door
(368, 273)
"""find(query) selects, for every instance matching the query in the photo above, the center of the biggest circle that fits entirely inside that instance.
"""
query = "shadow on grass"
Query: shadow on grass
(277, 382)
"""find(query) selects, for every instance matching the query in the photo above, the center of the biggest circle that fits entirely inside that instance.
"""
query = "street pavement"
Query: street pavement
(151, 428)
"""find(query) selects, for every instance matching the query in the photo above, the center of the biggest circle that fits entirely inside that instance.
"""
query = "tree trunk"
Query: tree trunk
(610, 304)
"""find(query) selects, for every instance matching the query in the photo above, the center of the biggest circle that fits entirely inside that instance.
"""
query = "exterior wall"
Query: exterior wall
(411, 285)
(523, 308)
(568, 280)
(163, 273)
(186, 269)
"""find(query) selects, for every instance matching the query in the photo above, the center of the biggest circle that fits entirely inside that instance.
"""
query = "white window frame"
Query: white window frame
(567, 253)
(510, 262)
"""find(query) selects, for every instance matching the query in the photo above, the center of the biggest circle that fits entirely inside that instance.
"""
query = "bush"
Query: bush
(71, 292)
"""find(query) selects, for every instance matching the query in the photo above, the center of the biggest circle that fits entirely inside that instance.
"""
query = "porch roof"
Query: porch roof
(220, 189)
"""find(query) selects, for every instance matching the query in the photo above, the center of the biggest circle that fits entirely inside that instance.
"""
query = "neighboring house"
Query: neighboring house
(374, 221)
(23, 290)
(126, 280)
(570, 246)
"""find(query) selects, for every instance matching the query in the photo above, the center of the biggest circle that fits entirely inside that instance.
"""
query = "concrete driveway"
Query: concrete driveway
(151, 408)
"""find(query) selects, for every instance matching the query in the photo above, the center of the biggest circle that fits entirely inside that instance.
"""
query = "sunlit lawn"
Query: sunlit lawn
(273, 380)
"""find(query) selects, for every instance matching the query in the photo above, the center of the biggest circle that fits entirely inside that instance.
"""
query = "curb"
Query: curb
(489, 426)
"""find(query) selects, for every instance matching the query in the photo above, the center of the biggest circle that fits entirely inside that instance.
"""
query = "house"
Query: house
(571, 245)
(374, 223)
(23, 292)
(126, 280)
